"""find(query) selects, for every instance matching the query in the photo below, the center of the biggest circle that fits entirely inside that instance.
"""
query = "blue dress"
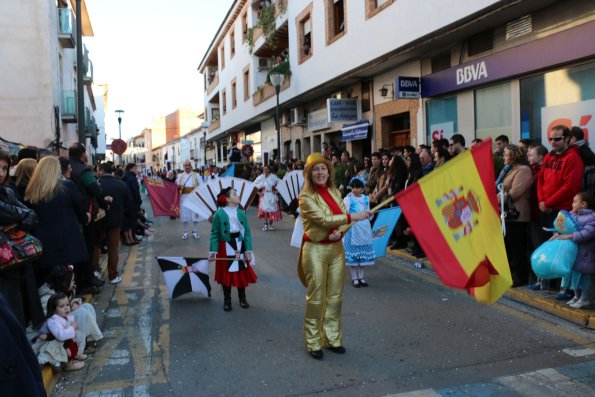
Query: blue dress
(358, 240)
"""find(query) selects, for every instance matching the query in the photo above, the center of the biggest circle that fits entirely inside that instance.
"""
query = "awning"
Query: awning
(355, 131)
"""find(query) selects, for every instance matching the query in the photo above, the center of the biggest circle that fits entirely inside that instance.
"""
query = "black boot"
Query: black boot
(242, 295)
(227, 298)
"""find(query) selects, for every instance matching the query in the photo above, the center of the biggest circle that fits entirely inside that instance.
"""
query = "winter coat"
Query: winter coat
(517, 184)
(20, 374)
(86, 181)
(560, 179)
(122, 200)
(585, 239)
(59, 227)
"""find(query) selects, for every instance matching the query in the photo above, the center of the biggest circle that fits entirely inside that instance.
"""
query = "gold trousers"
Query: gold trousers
(324, 268)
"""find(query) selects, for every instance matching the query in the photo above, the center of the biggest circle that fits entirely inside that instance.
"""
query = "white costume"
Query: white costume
(187, 183)
(268, 206)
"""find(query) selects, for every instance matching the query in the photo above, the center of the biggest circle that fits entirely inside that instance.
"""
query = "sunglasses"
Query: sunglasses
(556, 138)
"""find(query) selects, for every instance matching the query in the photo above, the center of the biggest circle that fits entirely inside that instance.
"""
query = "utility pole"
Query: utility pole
(80, 87)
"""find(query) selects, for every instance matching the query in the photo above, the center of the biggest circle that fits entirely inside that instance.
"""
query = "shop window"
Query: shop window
(335, 20)
(568, 86)
(441, 118)
(440, 62)
(480, 43)
(493, 111)
(232, 42)
(304, 30)
(365, 87)
(246, 83)
(234, 100)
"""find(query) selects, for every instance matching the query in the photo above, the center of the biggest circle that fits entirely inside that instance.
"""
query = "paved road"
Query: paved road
(404, 333)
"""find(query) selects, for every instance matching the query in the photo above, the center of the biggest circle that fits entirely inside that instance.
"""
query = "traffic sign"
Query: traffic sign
(247, 150)
(119, 146)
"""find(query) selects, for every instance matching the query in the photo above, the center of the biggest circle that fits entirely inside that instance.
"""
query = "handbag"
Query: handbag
(24, 248)
(510, 212)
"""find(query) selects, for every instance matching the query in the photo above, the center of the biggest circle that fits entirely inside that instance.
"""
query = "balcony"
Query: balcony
(68, 111)
(212, 80)
(266, 91)
(66, 28)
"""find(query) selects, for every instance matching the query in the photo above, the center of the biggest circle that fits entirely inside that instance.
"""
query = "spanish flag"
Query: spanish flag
(453, 212)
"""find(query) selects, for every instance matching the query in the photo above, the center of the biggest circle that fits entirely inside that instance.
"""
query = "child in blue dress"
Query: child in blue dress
(358, 240)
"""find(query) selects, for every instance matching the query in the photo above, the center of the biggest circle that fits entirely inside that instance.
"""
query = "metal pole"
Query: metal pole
(80, 94)
(277, 89)
(204, 134)
(120, 134)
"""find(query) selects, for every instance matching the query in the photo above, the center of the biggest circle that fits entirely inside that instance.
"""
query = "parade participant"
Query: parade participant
(188, 181)
(322, 258)
(230, 227)
(358, 240)
(268, 205)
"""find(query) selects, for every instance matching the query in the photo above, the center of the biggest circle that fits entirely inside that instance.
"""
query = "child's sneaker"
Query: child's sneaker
(535, 287)
(74, 365)
(572, 301)
(579, 304)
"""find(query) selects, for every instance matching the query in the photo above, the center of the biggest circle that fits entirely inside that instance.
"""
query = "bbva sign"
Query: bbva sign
(472, 72)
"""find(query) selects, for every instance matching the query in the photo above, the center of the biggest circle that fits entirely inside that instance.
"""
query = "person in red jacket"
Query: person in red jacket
(560, 179)
(561, 175)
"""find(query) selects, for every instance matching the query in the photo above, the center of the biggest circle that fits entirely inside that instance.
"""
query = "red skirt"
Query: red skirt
(239, 279)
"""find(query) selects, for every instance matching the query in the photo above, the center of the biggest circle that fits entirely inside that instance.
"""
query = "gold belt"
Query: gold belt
(187, 190)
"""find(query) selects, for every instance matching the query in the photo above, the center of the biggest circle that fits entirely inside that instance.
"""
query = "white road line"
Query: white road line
(545, 382)
(579, 352)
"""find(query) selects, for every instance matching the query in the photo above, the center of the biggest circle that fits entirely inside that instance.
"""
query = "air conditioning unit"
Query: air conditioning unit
(285, 119)
(297, 116)
(264, 64)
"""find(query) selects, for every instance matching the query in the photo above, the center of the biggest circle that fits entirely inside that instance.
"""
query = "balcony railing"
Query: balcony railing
(88, 77)
(66, 28)
(266, 91)
(212, 81)
(68, 106)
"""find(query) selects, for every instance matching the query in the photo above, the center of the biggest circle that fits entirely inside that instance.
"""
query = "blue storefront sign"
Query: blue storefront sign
(407, 87)
(355, 131)
(343, 109)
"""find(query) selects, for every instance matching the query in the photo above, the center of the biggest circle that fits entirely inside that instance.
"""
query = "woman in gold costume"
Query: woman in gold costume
(322, 257)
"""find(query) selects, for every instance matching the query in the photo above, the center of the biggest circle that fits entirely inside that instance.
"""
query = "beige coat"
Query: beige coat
(517, 184)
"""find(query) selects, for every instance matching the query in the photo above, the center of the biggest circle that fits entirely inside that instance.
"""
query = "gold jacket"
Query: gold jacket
(319, 220)
(317, 217)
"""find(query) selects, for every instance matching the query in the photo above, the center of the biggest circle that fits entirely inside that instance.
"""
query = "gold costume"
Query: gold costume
(322, 270)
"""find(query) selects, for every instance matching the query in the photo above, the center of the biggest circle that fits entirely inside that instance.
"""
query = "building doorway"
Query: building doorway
(398, 129)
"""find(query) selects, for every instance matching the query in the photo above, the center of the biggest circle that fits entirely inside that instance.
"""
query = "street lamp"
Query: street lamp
(204, 136)
(277, 81)
(119, 113)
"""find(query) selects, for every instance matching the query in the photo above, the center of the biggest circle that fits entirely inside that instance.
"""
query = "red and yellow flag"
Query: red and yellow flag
(164, 196)
(453, 212)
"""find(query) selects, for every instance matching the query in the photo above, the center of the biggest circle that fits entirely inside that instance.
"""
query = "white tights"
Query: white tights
(194, 227)
(354, 272)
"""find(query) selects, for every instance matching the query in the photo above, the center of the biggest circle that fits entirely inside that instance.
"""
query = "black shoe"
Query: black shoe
(244, 304)
(363, 283)
(227, 306)
(315, 354)
(97, 282)
(337, 349)
(355, 283)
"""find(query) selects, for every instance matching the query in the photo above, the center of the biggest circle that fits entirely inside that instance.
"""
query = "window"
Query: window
(234, 101)
(244, 25)
(222, 57)
(246, 83)
(224, 101)
(304, 34)
(366, 106)
(481, 42)
(373, 7)
(493, 111)
(441, 118)
(335, 20)
(232, 41)
(440, 62)
(569, 86)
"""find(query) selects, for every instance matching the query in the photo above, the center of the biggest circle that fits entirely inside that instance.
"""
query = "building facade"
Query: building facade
(39, 79)
(374, 74)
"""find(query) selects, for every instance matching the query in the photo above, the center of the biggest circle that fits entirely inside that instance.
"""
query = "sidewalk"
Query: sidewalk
(541, 300)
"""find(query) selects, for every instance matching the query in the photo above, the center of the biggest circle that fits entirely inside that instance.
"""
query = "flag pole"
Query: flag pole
(383, 204)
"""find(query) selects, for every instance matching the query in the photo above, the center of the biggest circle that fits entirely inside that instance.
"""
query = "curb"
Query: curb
(536, 300)
(51, 378)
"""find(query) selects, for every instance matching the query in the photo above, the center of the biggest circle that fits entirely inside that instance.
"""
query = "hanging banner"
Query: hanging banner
(574, 114)
(442, 131)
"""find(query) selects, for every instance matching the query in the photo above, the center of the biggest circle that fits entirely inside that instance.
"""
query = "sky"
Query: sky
(148, 52)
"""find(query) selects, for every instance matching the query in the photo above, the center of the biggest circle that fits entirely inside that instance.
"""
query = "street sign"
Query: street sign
(119, 146)
(247, 150)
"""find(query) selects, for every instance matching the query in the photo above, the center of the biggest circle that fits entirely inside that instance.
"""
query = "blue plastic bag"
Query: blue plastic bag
(555, 258)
